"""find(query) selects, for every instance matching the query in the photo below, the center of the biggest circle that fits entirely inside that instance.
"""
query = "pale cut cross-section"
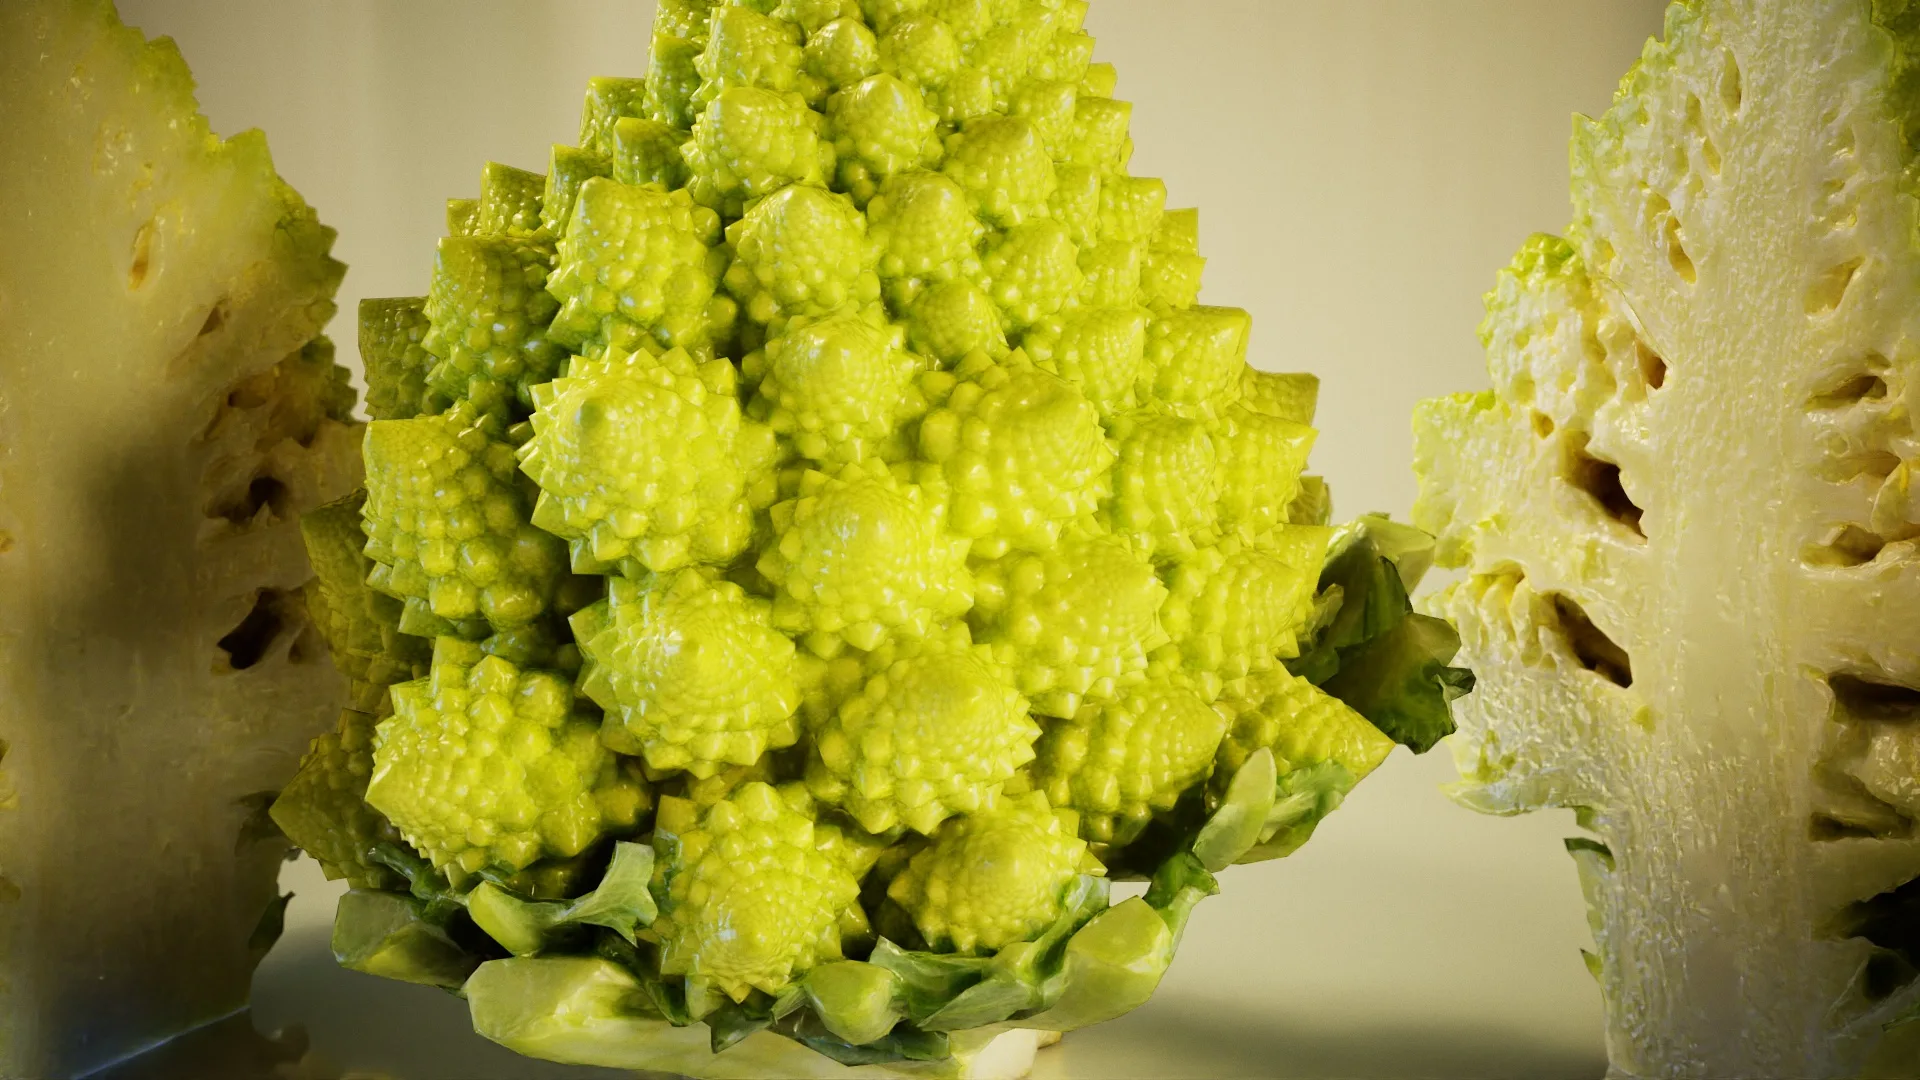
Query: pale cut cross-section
(1693, 592)
(167, 410)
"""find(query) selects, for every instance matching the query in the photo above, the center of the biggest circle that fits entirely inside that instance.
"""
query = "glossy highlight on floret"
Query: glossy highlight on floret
(831, 446)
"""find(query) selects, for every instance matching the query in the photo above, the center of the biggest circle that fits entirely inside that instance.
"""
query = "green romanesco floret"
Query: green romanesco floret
(1302, 724)
(1287, 396)
(880, 127)
(837, 387)
(1100, 350)
(801, 251)
(1195, 359)
(691, 672)
(1259, 459)
(749, 143)
(486, 764)
(936, 730)
(638, 268)
(448, 527)
(608, 101)
(489, 310)
(925, 233)
(361, 626)
(859, 554)
(748, 899)
(646, 152)
(1075, 622)
(323, 809)
(1234, 607)
(1022, 452)
(1166, 483)
(642, 461)
(391, 334)
(993, 878)
(832, 443)
(1120, 761)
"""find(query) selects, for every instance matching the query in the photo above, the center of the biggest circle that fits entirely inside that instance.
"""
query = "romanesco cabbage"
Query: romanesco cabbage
(866, 516)
(1684, 512)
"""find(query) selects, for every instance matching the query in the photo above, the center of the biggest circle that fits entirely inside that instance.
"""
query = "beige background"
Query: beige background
(1363, 169)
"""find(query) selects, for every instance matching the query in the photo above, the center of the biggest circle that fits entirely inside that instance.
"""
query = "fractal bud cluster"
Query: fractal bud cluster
(813, 540)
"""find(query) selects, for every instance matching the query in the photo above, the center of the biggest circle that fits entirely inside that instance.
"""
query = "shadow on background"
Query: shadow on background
(1168, 1039)
(339, 1025)
(228, 1049)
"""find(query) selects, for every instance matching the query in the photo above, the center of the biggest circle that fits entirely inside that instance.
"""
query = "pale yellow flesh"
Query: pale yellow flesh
(1713, 309)
(148, 275)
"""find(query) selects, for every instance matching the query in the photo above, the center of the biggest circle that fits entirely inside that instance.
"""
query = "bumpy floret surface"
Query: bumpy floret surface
(992, 878)
(486, 764)
(750, 896)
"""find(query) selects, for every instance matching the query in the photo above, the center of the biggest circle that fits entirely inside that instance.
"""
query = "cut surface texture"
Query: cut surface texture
(167, 412)
(1685, 515)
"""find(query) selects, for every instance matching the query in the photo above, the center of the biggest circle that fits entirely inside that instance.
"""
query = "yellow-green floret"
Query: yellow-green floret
(1235, 607)
(391, 332)
(837, 386)
(1119, 762)
(1302, 724)
(1023, 454)
(638, 267)
(1075, 622)
(360, 625)
(936, 730)
(801, 251)
(323, 808)
(489, 310)
(993, 878)
(748, 900)
(859, 554)
(447, 525)
(643, 460)
(484, 763)
(690, 671)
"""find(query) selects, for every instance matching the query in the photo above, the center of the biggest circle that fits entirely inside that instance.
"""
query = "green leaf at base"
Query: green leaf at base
(1375, 653)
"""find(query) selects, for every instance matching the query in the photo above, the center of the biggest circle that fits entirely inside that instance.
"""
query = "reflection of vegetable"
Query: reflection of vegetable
(167, 411)
(1684, 507)
(825, 477)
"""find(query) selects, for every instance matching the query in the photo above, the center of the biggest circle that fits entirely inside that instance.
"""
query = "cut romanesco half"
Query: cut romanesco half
(167, 412)
(929, 552)
(1684, 509)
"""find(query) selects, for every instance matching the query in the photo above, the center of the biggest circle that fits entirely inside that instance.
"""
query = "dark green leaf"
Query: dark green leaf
(732, 1022)
(904, 1043)
(928, 980)
(1180, 883)
(426, 884)
(1387, 662)
(1401, 681)
(273, 922)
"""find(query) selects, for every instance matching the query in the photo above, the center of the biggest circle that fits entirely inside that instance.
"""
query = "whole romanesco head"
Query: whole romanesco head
(830, 450)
